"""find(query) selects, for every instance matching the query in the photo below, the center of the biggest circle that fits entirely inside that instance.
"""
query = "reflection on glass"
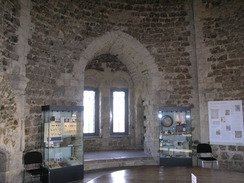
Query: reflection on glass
(175, 140)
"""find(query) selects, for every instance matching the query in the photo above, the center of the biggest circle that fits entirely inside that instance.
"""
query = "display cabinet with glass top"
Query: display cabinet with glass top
(62, 143)
(175, 137)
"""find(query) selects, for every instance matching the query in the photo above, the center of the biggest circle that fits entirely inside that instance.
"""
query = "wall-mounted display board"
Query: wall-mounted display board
(226, 122)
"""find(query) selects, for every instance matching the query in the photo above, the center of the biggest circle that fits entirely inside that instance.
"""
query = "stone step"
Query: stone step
(115, 163)
(112, 159)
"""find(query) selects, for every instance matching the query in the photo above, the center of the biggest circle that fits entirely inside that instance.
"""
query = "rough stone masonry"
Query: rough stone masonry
(168, 53)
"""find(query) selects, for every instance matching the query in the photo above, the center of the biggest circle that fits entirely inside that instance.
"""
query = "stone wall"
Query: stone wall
(176, 53)
(8, 125)
(219, 40)
(12, 83)
(61, 31)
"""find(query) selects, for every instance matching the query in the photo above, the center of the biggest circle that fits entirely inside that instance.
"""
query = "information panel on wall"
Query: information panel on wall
(226, 122)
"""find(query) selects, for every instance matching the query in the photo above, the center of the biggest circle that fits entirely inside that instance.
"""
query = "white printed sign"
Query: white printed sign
(193, 178)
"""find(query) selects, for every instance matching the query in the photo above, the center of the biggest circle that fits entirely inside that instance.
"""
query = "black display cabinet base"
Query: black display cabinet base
(175, 162)
(63, 175)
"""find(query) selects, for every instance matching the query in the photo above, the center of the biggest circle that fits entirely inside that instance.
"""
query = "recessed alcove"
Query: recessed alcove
(117, 59)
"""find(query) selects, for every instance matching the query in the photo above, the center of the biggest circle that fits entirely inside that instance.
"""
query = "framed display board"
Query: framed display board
(226, 122)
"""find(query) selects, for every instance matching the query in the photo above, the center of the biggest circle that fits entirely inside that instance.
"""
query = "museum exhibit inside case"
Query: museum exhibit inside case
(62, 143)
(175, 137)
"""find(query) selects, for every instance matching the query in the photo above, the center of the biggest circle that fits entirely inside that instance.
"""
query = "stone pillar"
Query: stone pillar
(15, 80)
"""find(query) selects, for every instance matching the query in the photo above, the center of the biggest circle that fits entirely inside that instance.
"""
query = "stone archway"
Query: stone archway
(143, 70)
(129, 50)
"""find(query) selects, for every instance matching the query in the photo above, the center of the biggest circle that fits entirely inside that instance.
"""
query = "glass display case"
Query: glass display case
(62, 143)
(175, 137)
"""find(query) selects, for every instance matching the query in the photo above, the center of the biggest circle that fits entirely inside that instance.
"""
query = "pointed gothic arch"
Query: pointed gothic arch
(141, 66)
(130, 51)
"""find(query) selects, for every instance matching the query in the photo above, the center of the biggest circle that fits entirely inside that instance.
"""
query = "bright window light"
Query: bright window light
(89, 111)
(118, 112)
